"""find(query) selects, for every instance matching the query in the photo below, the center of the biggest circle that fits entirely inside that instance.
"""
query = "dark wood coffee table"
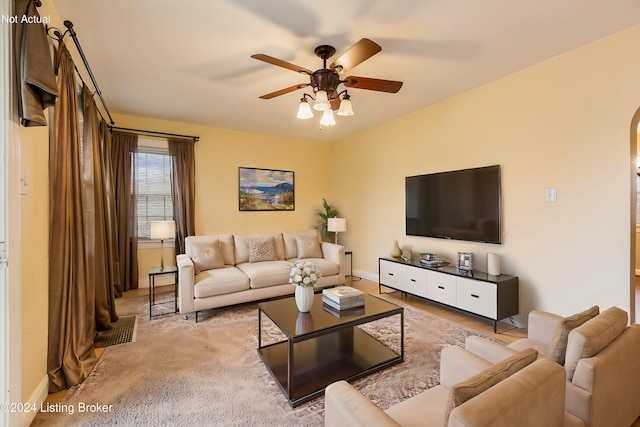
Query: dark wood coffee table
(321, 348)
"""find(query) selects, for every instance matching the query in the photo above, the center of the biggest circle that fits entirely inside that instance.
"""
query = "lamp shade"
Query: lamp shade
(345, 107)
(327, 118)
(322, 101)
(304, 110)
(337, 225)
(162, 230)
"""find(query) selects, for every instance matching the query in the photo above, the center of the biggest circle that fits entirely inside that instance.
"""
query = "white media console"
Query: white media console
(492, 297)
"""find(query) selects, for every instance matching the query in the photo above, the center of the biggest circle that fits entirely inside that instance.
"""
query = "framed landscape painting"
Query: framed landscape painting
(266, 190)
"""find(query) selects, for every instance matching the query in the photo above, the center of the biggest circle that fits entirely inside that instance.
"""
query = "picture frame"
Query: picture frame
(465, 261)
(265, 189)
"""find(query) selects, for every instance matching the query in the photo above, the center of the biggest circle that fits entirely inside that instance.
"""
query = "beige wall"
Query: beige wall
(564, 124)
(34, 235)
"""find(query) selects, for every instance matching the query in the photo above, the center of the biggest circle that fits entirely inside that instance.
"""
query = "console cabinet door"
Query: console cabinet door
(414, 280)
(441, 287)
(477, 297)
(391, 274)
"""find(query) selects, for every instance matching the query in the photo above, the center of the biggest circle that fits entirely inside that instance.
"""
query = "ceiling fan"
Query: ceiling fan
(325, 81)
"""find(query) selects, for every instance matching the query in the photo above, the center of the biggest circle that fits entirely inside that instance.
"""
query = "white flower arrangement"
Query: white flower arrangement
(305, 274)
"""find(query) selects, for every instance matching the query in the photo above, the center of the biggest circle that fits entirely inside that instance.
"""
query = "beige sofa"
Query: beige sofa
(601, 358)
(228, 269)
(532, 396)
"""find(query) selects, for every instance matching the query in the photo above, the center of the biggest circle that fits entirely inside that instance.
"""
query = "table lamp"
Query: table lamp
(336, 225)
(162, 230)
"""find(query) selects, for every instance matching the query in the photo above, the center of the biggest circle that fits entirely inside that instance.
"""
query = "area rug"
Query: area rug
(122, 331)
(182, 373)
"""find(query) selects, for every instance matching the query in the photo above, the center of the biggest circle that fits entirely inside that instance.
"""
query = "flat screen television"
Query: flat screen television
(460, 205)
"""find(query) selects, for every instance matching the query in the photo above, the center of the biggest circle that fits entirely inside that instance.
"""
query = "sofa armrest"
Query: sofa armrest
(334, 253)
(542, 325)
(185, 283)
(458, 364)
(346, 406)
(488, 350)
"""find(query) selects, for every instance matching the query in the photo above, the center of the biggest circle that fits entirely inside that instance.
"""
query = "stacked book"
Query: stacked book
(431, 261)
(343, 297)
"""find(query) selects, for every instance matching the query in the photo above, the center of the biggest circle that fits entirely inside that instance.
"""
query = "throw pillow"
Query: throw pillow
(262, 250)
(466, 390)
(206, 255)
(558, 345)
(589, 339)
(308, 247)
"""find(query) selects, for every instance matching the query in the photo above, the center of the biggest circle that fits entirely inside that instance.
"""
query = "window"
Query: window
(153, 185)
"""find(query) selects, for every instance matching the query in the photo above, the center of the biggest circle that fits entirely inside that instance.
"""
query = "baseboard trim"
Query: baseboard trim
(366, 275)
(38, 397)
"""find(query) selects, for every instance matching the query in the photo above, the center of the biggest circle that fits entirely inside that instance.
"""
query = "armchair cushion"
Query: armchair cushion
(466, 390)
(558, 345)
(594, 335)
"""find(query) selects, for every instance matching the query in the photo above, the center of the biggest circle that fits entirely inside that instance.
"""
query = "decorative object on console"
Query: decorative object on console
(336, 225)
(430, 260)
(162, 230)
(265, 190)
(407, 254)
(304, 275)
(396, 252)
(493, 264)
(465, 261)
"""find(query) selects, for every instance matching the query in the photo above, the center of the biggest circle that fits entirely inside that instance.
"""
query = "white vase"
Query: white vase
(304, 298)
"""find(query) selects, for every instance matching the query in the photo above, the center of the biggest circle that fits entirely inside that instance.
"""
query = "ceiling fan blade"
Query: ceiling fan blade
(280, 63)
(358, 53)
(380, 85)
(283, 91)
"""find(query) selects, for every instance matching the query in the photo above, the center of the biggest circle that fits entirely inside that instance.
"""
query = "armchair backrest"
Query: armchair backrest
(532, 396)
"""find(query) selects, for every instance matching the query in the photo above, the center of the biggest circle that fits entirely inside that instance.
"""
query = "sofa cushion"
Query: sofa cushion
(308, 247)
(592, 336)
(558, 344)
(206, 255)
(290, 246)
(225, 242)
(466, 390)
(242, 246)
(219, 282)
(265, 274)
(261, 250)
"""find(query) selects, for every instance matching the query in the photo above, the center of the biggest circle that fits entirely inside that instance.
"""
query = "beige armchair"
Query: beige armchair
(601, 360)
(532, 396)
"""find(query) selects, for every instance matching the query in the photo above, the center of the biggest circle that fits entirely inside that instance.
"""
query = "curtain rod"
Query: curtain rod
(74, 36)
(154, 133)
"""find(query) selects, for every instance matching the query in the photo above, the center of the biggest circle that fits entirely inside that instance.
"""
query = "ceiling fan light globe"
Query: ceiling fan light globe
(327, 118)
(304, 110)
(322, 101)
(345, 108)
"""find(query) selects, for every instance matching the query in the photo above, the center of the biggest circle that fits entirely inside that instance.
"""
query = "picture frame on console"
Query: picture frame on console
(265, 189)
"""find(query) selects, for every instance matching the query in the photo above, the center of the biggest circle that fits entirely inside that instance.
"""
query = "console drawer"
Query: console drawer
(441, 288)
(391, 274)
(414, 281)
(477, 297)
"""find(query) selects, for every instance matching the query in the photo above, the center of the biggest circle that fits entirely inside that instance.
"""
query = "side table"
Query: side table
(153, 273)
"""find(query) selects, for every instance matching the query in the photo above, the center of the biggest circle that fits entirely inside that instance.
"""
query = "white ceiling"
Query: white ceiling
(189, 60)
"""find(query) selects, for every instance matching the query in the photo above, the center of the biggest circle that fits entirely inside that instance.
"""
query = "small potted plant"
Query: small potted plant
(329, 212)
(305, 275)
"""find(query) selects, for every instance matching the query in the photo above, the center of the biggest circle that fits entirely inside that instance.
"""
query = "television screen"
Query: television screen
(460, 205)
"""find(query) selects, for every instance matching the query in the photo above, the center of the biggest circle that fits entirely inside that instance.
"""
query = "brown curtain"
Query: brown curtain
(71, 354)
(123, 149)
(100, 232)
(183, 189)
(37, 87)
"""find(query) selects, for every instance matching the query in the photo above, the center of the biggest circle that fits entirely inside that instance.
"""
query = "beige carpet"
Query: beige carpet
(179, 373)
